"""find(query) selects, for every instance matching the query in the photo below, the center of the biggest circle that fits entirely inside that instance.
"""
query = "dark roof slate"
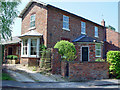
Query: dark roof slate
(85, 38)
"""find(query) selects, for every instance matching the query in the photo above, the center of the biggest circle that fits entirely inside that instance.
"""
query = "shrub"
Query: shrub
(42, 47)
(100, 60)
(15, 57)
(113, 57)
(66, 49)
(12, 57)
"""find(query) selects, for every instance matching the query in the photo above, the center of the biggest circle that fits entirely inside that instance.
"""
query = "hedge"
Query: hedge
(113, 57)
(12, 57)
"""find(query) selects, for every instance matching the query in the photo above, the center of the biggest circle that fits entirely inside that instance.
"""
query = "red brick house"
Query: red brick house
(112, 40)
(44, 23)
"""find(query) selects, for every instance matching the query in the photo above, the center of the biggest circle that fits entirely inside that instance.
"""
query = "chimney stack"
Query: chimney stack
(103, 23)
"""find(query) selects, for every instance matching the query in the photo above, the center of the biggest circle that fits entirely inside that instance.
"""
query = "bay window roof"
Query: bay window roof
(85, 38)
(31, 33)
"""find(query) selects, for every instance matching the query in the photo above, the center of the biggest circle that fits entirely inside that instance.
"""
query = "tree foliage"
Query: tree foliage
(113, 57)
(111, 27)
(8, 12)
(66, 49)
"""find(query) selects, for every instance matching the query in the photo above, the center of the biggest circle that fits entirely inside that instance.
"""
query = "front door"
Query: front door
(84, 53)
(10, 51)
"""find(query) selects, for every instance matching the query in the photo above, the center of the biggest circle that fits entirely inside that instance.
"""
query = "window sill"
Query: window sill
(83, 33)
(96, 36)
(31, 56)
(97, 56)
(66, 29)
(32, 28)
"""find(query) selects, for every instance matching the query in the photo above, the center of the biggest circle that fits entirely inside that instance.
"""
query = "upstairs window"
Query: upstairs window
(98, 50)
(96, 31)
(32, 20)
(83, 28)
(65, 22)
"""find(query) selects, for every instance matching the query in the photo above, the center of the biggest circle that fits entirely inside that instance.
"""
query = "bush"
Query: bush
(42, 47)
(113, 58)
(100, 60)
(15, 57)
(66, 49)
(11, 57)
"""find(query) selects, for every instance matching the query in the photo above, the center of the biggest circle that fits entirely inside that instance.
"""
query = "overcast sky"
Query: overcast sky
(92, 10)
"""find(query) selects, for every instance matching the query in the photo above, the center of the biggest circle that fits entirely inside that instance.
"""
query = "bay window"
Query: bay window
(25, 46)
(33, 46)
(30, 47)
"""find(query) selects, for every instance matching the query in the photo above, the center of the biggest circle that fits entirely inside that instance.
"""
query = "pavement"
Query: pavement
(92, 84)
(26, 78)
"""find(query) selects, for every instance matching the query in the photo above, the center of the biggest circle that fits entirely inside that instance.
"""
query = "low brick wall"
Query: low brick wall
(29, 61)
(88, 71)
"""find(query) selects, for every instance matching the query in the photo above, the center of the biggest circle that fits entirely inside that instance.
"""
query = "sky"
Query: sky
(94, 10)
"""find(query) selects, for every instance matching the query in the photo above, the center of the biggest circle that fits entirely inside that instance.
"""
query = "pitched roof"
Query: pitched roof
(14, 40)
(31, 33)
(48, 5)
(85, 38)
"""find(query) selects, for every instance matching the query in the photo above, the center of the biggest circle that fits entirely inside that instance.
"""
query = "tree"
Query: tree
(66, 49)
(8, 12)
(111, 27)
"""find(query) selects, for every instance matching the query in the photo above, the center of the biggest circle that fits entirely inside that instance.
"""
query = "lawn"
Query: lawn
(6, 76)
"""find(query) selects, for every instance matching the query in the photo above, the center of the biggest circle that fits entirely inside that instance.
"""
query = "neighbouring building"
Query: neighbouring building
(112, 40)
(11, 47)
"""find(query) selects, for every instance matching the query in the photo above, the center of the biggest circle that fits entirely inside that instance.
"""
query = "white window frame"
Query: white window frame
(96, 31)
(83, 27)
(24, 55)
(81, 53)
(29, 48)
(32, 20)
(97, 49)
(66, 22)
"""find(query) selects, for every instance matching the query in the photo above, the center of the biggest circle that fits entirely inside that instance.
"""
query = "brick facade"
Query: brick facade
(49, 22)
(55, 24)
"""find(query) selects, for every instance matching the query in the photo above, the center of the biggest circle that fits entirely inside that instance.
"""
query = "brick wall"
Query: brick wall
(55, 24)
(29, 61)
(55, 61)
(88, 71)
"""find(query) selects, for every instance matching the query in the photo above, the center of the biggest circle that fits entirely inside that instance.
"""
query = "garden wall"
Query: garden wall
(88, 71)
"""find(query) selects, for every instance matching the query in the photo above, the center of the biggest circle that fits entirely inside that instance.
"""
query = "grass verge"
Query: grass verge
(6, 76)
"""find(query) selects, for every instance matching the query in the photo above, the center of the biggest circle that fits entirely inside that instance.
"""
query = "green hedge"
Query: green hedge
(12, 57)
(113, 57)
